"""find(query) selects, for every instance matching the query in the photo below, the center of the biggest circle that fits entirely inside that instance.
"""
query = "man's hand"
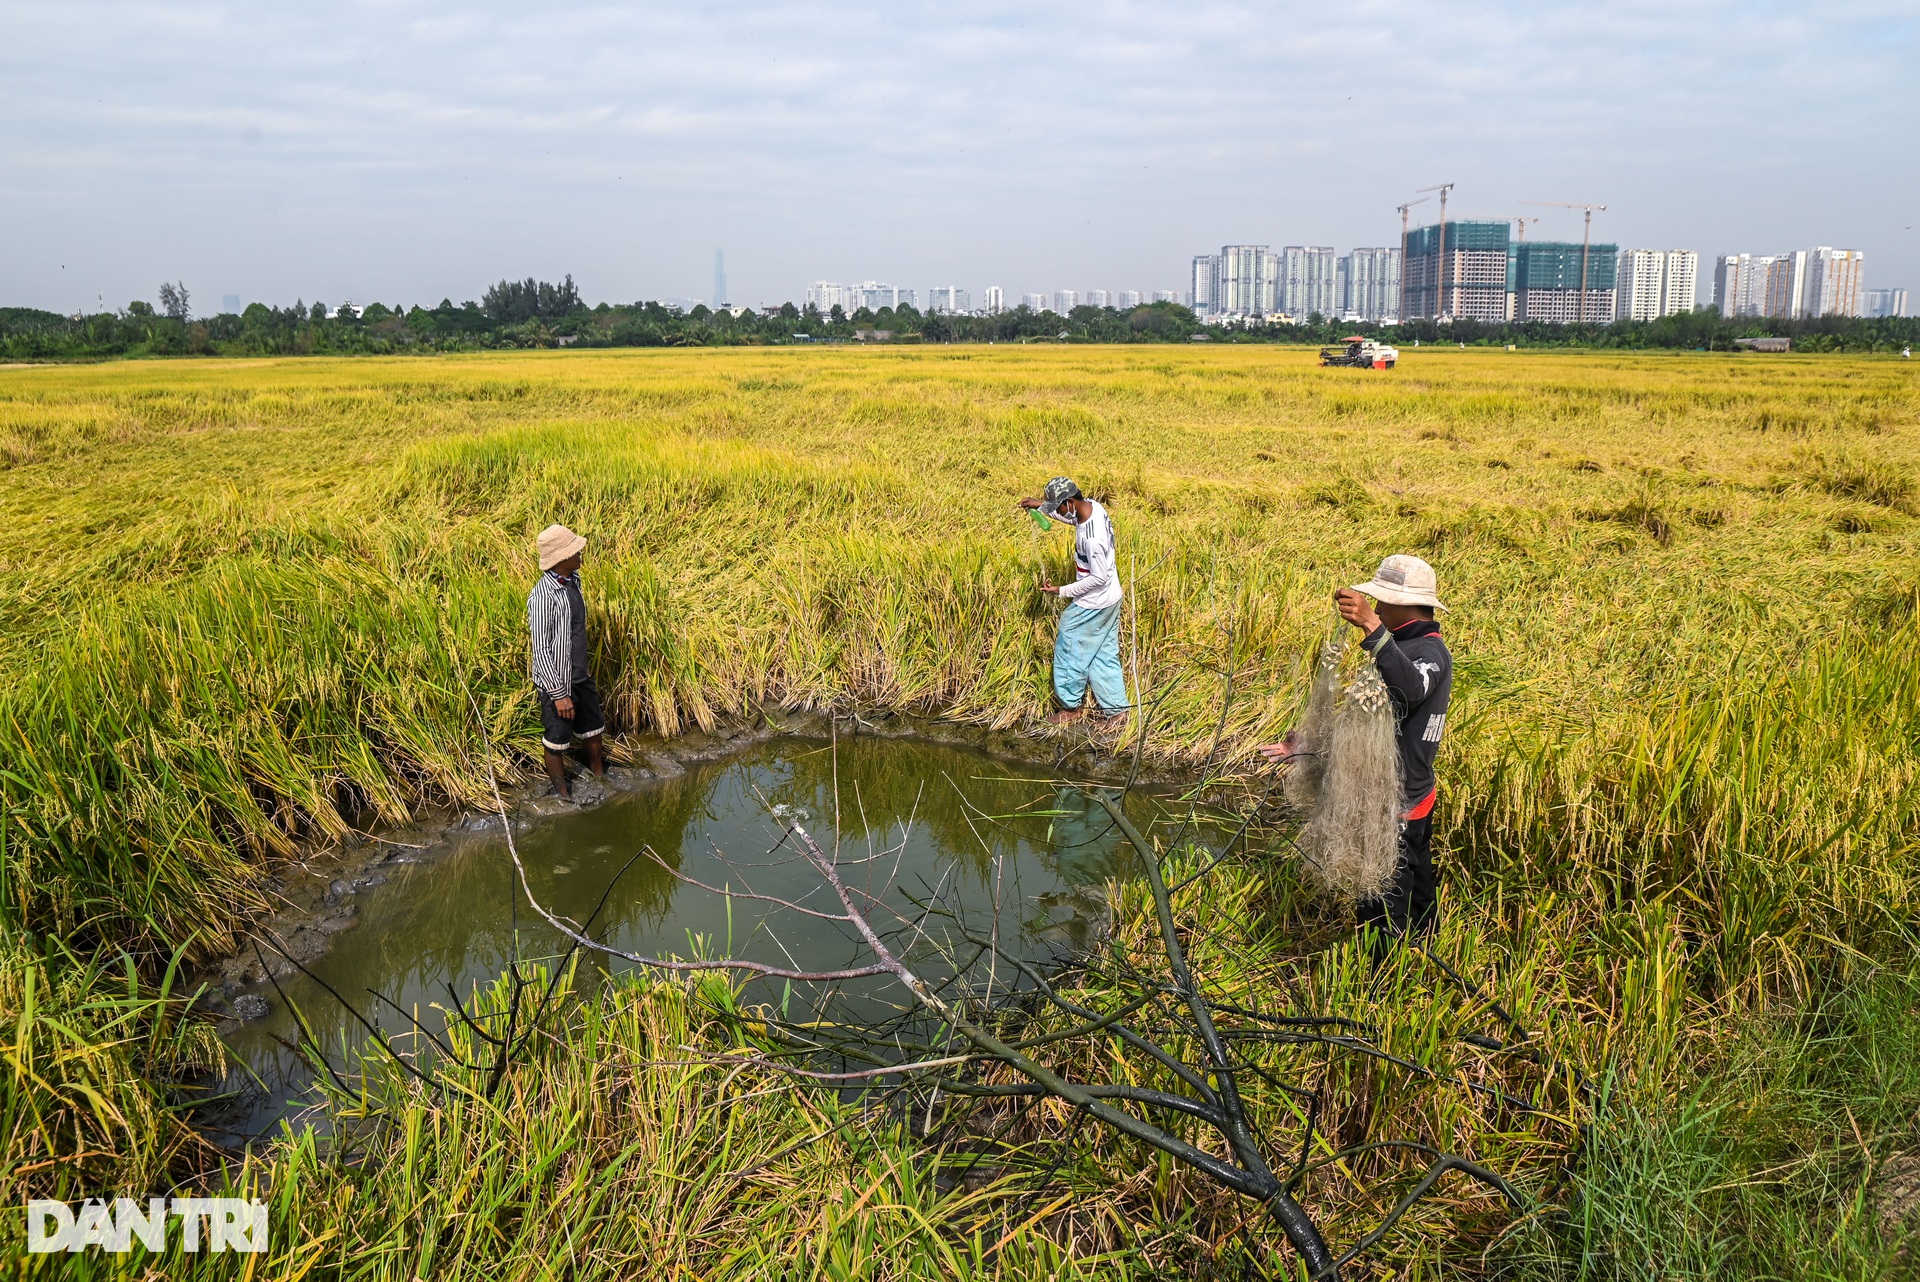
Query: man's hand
(564, 707)
(1040, 581)
(1283, 751)
(1030, 504)
(1354, 609)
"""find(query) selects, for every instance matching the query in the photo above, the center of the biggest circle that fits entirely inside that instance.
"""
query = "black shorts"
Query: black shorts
(558, 732)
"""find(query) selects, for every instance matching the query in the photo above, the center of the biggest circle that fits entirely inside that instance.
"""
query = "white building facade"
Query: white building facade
(1129, 299)
(1034, 302)
(1835, 281)
(1248, 284)
(949, 300)
(1883, 302)
(1308, 281)
(1652, 283)
(1369, 285)
(994, 300)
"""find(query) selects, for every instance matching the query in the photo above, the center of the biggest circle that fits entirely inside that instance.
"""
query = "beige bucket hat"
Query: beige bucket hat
(1403, 580)
(557, 543)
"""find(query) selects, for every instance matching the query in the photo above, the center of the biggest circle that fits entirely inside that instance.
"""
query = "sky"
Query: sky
(403, 152)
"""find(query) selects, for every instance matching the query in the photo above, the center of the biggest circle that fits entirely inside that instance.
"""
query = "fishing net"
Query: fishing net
(1351, 785)
(1313, 735)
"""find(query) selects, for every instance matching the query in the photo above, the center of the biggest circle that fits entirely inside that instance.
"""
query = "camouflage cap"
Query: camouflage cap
(1059, 490)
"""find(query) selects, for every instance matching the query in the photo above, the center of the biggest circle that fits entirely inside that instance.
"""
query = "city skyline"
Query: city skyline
(409, 153)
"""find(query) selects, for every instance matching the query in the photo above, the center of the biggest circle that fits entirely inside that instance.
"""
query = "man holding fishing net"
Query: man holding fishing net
(557, 616)
(1362, 764)
(1086, 651)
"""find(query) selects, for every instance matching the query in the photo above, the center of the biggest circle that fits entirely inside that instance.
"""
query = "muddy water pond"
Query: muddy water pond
(925, 819)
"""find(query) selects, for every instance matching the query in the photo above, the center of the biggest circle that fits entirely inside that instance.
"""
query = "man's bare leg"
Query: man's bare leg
(557, 771)
(596, 756)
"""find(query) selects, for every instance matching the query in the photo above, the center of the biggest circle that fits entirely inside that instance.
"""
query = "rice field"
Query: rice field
(1676, 821)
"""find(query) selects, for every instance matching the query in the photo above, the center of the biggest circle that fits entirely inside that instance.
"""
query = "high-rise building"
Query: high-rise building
(949, 300)
(1460, 271)
(996, 300)
(230, 304)
(1783, 290)
(1740, 284)
(870, 294)
(1065, 300)
(824, 295)
(1883, 302)
(719, 279)
(1370, 284)
(1308, 281)
(1034, 302)
(1166, 295)
(1205, 284)
(1652, 283)
(1835, 280)
(1099, 298)
(1129, 299)
(1248, 282)
(1549, 277)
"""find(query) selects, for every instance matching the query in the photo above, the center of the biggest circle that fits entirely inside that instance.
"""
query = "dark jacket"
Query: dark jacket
(1414, 663)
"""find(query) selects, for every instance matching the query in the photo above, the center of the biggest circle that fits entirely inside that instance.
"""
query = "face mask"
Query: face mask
(1064, 520)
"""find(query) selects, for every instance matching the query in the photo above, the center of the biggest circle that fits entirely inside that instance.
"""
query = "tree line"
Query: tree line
(537, 314)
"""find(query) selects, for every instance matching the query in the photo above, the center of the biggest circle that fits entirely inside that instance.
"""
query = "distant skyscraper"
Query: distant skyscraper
(1652, 283)
(824, 295)
(1065, 300)
(1547, 277)
(949, 300)
(1204, 286)
(996, 300)
(1129, 299)
(1099, 298)
(1370, 288)
(1883, 302)
(1308, 277)
(1740, 284)
(1166, 295)
(1835, 280)
(230, 304)
(1248, 282)
(719, 279)
(1460, 270)
(1034, 302)
(1784, 291)
(1801, 282)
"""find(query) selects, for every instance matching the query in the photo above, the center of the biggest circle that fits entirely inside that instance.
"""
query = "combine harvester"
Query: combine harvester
(1360, 353)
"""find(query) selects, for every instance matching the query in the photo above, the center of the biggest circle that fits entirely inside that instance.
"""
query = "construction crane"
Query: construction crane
(1400, 302)
(1522, 222)
(1586, 239)
(1443, 188)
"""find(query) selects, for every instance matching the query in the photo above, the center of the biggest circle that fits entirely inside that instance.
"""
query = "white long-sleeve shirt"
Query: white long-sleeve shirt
(1097, 584)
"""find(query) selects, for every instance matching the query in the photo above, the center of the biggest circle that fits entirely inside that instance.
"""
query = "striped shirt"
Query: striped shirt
(1097, 584)
(550, 619)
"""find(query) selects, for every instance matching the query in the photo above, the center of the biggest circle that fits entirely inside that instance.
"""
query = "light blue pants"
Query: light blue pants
(1087, 651)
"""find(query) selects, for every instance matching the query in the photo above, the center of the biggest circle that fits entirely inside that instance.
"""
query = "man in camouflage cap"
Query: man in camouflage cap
(1086, 651)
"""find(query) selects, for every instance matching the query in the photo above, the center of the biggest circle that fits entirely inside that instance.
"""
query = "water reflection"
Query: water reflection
(923, 818)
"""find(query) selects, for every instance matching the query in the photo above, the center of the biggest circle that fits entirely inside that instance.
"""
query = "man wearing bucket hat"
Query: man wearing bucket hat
(1404, 640)
(569, 702)
(1086, 650)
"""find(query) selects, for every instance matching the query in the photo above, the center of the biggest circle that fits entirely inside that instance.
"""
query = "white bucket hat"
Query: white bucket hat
(557, 543)
(1403, 580)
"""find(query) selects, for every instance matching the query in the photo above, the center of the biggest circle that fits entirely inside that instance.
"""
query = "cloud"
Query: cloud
(406, 151)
